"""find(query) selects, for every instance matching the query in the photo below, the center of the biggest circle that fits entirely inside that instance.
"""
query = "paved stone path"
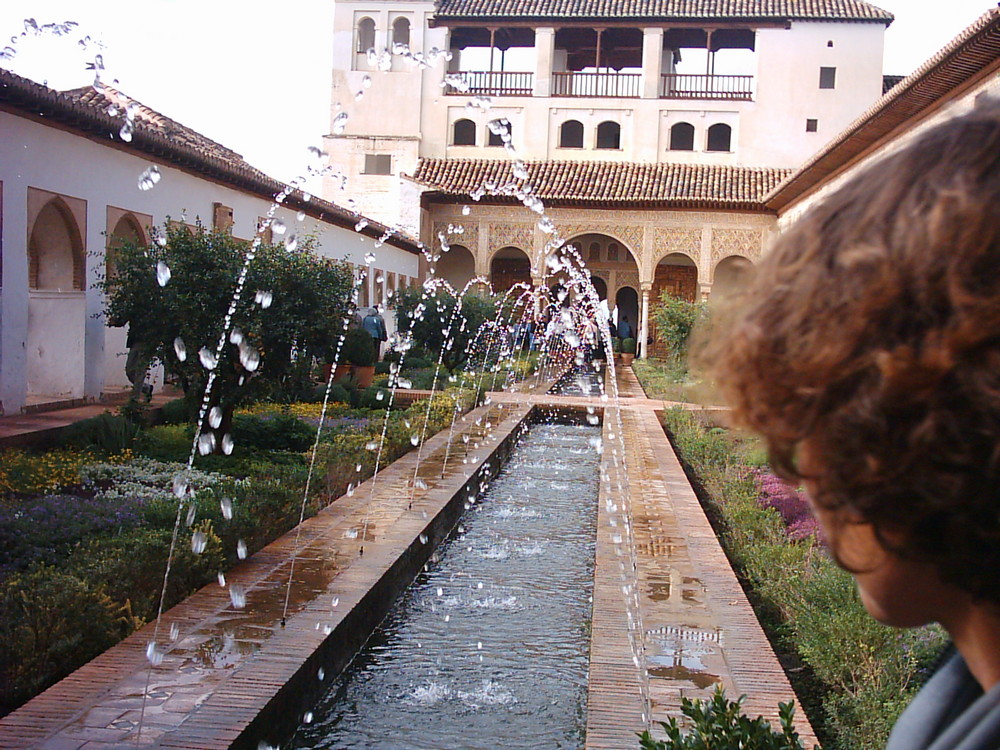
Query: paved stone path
(225, 666)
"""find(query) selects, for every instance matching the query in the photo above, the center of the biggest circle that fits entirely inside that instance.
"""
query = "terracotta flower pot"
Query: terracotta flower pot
(364, 375)
(627, 359)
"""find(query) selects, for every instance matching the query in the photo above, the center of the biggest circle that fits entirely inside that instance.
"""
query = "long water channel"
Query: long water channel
(489, 646)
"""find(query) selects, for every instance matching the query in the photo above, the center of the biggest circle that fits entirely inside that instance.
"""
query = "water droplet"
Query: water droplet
(238, 596)
(249, 357)
(334, 602)
(227, 444)
(175, 631)
(191, 515)
(291, 242)
(300, 216)
(206, 443)
(278, 226)
(414, 439)
(351, 534)
(593, 419)
(380, 395)
(198, 542)
(339, 123)
(208, 360)
(371, 445)
(479, 645)
(221, 578)
(369, 258)
(154, 655)
(263, 298)
(420, 484)
(226, 504)
(307, 717)
(423, 539)
(162, 273)
(180, 350)
(215, 417)
(149, 178)
(321, 674)
(180, 486)
(466, 210)
(241, 549)
(546, 225)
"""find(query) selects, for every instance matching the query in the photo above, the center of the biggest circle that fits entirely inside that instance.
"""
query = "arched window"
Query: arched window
(571, 134)
(719, 137)
(464, 133)
(366, 34)
(613, 251)
(55, 250)
(595, 251)
(609, 135)
(496, 139)
(682, 137)
(401, 31)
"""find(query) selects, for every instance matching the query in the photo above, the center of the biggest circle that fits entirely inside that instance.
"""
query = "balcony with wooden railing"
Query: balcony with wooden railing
(600, 85)
(490, 83)
(686, 86)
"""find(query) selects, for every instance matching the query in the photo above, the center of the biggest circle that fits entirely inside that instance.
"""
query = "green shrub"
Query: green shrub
(628, 346)
(108, 433)
(720, 724)
(50, 624)
(675, 319)
(359, 348)
(282, 432)
(177, 411)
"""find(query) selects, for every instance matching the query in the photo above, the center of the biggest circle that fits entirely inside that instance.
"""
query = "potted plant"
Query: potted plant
(616, 348)
(628, 351)
(359, 352)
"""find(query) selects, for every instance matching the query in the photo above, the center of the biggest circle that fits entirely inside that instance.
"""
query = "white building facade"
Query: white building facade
(69, 192)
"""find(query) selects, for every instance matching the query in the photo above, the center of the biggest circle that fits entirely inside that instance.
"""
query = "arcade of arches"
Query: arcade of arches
(633, 255)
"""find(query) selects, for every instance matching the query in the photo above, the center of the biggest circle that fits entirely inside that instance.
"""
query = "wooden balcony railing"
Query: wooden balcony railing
(597, 84)
(685, 86)
(491, 83)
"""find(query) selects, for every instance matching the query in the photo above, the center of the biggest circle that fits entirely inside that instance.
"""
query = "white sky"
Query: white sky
(258, 80)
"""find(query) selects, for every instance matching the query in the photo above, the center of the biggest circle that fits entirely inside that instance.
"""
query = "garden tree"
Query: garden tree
(675, 318)
(427, 321)
(291, 310)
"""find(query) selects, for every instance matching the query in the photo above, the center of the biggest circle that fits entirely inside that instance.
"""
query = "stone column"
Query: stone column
(644, 320)
(652, 62)
(545, 46)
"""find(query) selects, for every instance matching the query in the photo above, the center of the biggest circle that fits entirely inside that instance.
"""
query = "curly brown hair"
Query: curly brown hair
(871, 334)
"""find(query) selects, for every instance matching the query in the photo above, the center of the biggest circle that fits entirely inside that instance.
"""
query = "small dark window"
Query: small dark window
(571, 134)
(719, 137)
(609, 135)
(465, 133)
(812, 125)
(595, 251)
(496, 139)
(378, 164)
(366, 34)
(613, 251)
(827, 78)
(829, 43)
(682, 137)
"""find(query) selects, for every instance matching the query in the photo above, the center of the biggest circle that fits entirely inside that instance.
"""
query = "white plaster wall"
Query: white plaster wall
(55, 343)
(35, 155)
(788, 92)
(990, 86)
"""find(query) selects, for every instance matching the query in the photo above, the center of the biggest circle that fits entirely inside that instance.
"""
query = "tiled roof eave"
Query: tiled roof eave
(23, 97)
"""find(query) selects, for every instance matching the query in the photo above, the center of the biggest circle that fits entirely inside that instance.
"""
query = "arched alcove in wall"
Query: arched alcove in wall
(55, 250)
(457, 266)
(627, 302)
(730, 276)
(127, 231)
(509, 266)
(677, 274)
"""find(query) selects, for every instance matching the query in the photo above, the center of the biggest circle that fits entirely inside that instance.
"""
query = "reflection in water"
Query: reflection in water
(489, 648)
(580, 381)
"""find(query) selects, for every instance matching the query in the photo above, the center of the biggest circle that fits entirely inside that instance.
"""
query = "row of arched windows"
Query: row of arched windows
(464, 134)
(719, 138)
(366, 33)
(609, 135)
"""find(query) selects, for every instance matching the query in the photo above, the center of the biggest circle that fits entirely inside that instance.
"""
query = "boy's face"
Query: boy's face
(895, 591)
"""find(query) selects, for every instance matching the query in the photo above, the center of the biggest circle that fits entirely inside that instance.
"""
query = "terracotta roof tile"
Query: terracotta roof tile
(964, 59)
(606, 183)
(825, 10)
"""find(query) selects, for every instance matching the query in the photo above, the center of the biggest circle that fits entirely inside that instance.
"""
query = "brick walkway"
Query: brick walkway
(227, 668)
